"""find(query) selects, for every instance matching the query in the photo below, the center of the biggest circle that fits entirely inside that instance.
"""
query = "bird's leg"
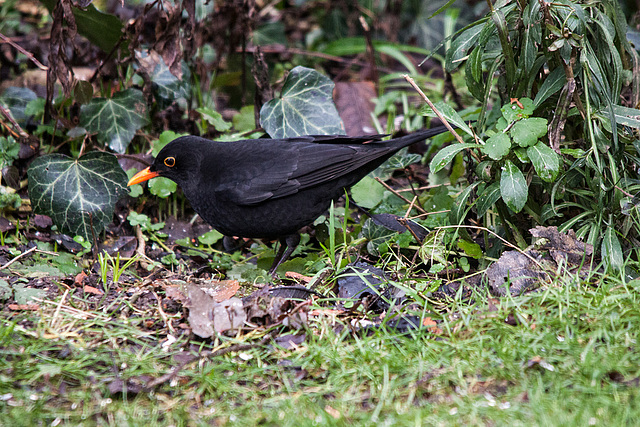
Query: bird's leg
(287, 246)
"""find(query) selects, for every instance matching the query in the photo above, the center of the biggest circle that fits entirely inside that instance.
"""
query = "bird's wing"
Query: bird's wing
(279, 170)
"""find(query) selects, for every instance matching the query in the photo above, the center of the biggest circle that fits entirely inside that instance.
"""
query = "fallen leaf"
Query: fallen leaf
(353, 101)
(428, 322)
(297, 276)
(538, 361)
(174, 293)
(325, 312)
(23, 307)
(80, 277)
(91, 290)
(333, 412)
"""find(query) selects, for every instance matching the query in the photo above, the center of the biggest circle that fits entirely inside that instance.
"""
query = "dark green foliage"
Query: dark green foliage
(560, 152)
(305, 107)
(78, 195)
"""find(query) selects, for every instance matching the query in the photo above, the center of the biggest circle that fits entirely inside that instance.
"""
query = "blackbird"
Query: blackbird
(270, 188)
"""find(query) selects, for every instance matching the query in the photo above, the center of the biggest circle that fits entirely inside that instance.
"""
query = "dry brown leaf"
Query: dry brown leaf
(91, 290)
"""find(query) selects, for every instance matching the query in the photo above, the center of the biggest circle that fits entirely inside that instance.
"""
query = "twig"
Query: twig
(405, 224)
(54, 319)
(624, 192)
(140, 250)
(164, 316)
(439, 114)
(22, 255)
(371, 53)
(428, 213)
(19, 132)
(433, 107)
(399, 195)
(24, 52)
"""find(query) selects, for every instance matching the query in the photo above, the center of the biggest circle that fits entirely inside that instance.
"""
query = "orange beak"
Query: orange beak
(142, 176)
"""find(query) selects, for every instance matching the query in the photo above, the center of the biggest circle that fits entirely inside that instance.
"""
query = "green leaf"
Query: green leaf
(101, 29)
(214, 119)
(461, 45)
(356, 45)
(433, 249)
(367, 193)
(444, 156)
(115, 120)
(552, 84)
(521, 154)
(545, 161)
(245, 120)
(304, 108)
(23, 293)
(77, 194)
(488, 198)
(270, 33)
(165, 137)
(513, 187)
(470, 248)
(497, 146)
(458, 210)
(134, 190)
(5, 290)
(9, 151)
(83, 92)
(162, 187)
(625, 116)
(15, 99)
(210, 237)
(498, 18)
(450, 114)
(399, 56)
(512, 112)
(473, 74)
(526, 132)
(168, 87)
(611, 250)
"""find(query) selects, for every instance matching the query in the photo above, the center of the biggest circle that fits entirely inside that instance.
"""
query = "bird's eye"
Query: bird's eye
(170, 161)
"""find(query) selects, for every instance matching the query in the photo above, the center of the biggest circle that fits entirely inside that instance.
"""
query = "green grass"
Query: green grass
(565, 355)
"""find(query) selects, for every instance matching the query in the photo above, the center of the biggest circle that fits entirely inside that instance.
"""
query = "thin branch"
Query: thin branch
(24, 52)
(22, 255)
(399, 195)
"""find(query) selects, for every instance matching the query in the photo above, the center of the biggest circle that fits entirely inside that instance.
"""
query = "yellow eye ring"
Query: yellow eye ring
(170, 162)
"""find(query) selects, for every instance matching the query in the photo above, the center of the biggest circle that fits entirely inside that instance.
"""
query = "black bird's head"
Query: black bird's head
(179, 161)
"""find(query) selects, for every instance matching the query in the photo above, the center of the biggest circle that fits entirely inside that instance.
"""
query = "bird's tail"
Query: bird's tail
(421, 135)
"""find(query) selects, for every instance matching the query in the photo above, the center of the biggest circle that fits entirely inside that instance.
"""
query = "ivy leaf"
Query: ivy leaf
(77, 194)
(545, 161)
(117, 119)
(168, 87)
(513, 187)
(497, 146)
(304, 108)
